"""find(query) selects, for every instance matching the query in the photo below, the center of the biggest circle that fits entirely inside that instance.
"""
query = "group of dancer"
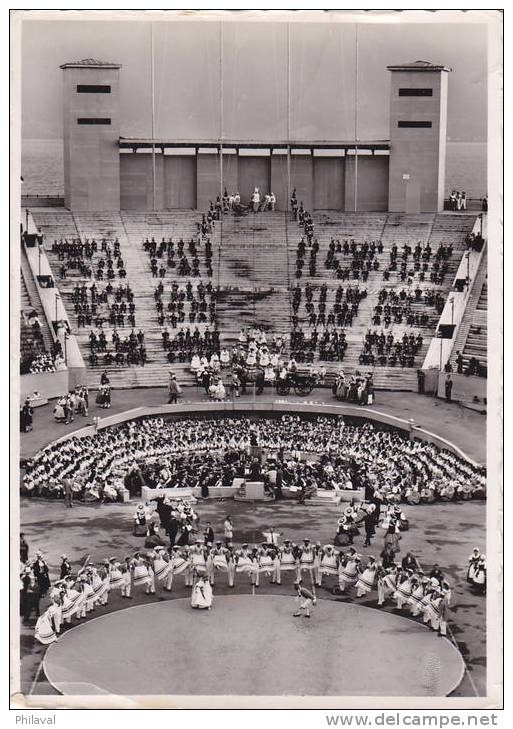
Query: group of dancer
(200, 565)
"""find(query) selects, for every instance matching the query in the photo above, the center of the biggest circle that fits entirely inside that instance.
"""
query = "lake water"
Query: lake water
(42, 167)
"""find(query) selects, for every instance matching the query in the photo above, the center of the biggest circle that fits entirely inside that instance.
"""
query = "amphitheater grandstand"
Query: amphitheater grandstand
(254, 274)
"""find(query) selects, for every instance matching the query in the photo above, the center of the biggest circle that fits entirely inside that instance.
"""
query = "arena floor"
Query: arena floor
(443, 533)
(236, 648)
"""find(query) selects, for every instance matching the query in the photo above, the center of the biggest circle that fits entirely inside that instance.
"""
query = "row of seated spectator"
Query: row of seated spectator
(421, 263)
(340, 313)
(429, 297)
(185, 302)
(182, 346)
(182, 266)
(386, 350)
(359, 267)
(127, 350)
(77, 256)
(301, 254)
(331, 345)
(92, 305)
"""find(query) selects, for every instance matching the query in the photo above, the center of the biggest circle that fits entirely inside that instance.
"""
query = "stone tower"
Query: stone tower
(418, 127)
(91, 135)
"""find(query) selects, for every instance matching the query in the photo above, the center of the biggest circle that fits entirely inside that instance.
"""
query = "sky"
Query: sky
(254, 77)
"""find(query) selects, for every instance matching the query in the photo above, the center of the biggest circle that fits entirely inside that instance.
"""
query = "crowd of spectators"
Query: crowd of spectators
(359, 259)
(185, 303)
(422, 261)
(187, 344)
(77, 256)
(339, 311)
(110, 306)
(323, 452)
(165, 257)
(127, 350)
(387, 351)
(329, 345)
(406, 307)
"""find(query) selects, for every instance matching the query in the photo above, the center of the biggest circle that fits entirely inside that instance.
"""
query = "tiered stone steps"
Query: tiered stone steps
(254, 270)
(472, 337)
(30, 300)
(253, 275)
(391, 228)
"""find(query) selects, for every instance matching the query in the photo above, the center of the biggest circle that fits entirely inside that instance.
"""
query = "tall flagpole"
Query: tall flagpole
(221, 109)
(356, 122)
(153, 169)
(288, 117)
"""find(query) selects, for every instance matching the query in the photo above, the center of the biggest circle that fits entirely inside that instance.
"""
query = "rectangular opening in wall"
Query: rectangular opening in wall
(93, 89)
(415, 92)
(414, 124)
(92, 120)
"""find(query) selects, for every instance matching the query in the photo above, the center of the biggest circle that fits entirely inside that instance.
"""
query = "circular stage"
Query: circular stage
(252, 646)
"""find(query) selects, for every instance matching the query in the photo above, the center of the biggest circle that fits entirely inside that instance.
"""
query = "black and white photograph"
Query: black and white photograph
(256, 359)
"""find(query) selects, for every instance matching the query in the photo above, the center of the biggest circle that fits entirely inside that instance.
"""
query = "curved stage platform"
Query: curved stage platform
(251, 645)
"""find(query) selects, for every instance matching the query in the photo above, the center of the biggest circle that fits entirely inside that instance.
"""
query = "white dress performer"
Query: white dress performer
(143, 574)
(198, 558)
(328, 563)
(265, 564)
(48, 625)
(126, 584)
(161, 565)
(98, 585)
(180, 565)
(306, 560)
(436, 612)
(220, 559)
(286, 560)
(244, 563)
(367, 579)
(403, 590)
(473, 565)
(116, 576)
(480, 578)
(72, 599)
(202, 595)
(387, 583)
(348, 573)
(417, 595)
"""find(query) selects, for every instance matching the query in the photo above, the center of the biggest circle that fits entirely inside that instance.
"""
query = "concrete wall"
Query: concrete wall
(279, 180)
(136, 181)
(329, 183)
(302, 178)
(417, 155)
(91, 153)
(372, 189)
(48, 384)
(179, 181)
(254, 172)
(230, 172)
(207, 179)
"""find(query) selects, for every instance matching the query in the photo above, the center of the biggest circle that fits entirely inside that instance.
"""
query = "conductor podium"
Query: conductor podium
(252, 491)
